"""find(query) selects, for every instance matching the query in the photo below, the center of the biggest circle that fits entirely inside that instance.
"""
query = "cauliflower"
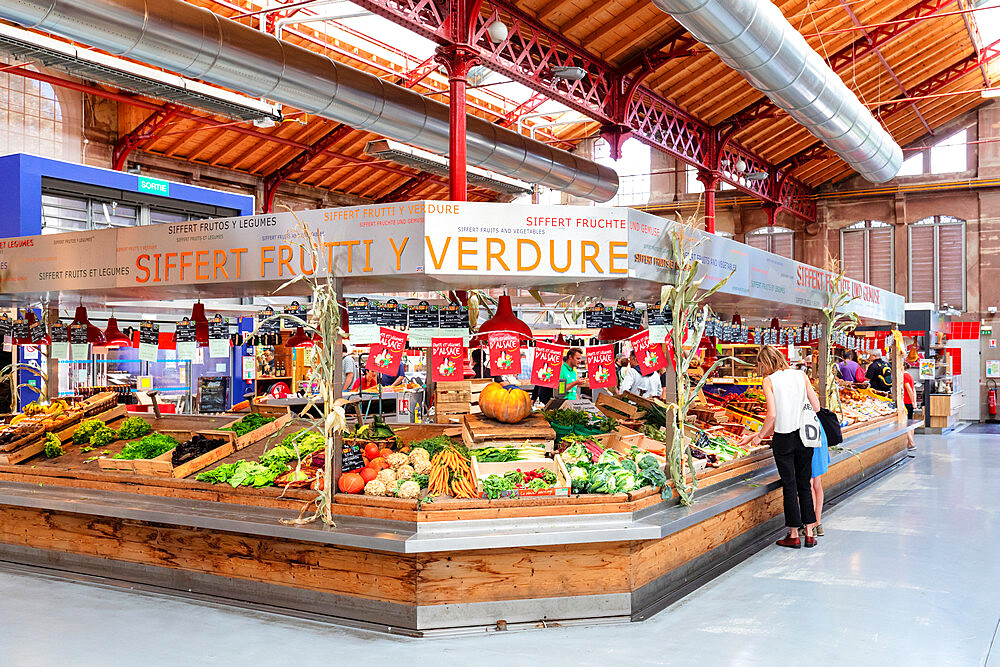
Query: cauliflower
(419, 454)
(387, 477)
(396, 459)
(375, 488)
(408, 490)
(422, 467)
(404, 471)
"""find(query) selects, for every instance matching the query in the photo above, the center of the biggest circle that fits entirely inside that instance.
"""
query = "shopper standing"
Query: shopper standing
(879, 375)
(350, 370)
(786, 391)
(849, 368)
(631, 379)
(909, 399)
(820, 464)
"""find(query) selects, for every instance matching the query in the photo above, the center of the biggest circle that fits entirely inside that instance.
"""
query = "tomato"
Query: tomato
(371, 451)
(385, 453)
(376, 464)
(368, 474)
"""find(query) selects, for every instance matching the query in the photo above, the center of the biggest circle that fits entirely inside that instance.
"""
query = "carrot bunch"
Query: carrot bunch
(450, 473)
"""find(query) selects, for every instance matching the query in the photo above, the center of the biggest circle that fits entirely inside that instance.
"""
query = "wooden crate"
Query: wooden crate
(452, 401)
(562, 487)
(162, 465)
(480, 431)
(621, 439)
(259, 434)
(617, 408)
(98, 403)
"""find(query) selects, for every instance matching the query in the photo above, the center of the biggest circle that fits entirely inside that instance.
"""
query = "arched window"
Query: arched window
(777, 240)
(633, 170)
(937, 261)
(866, 253)
(725, 235)
(40, 119)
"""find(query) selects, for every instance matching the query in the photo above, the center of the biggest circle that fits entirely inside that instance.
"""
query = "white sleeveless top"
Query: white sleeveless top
(789, 387)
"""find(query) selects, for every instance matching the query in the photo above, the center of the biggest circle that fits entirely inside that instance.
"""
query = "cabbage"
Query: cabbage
(654, 477)
(648, 461)
(609, 456)
(630, 465)
(578, 474)
(575, 453)
(603, 481)
(625, 481)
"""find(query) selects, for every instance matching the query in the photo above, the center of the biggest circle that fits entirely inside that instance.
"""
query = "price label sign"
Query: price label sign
(60, 341)
(149, 340)
(362, 317)
(218, 336)
(78, 345)
(599, 317)
(425, 321)
(187, 341)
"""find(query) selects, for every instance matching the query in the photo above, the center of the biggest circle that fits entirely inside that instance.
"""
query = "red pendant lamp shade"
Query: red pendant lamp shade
(94, 335)
(616, 332)
(200, 324)
(114, 336)
(32, 320)
(299, 339)
(504, 320)
(560, 340)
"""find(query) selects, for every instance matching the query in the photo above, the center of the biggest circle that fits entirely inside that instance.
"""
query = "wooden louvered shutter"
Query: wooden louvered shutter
(922, 264)
(758, 241)
(852, 254)
(951, 255)
(880, 267)
(781, 244)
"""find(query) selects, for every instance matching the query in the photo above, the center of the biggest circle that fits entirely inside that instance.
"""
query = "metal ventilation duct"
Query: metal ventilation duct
(753, 37)
(195, 42)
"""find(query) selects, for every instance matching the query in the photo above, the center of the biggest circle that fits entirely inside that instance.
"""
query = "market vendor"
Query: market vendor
(568, 379)
(394, 381)
(350, 370)
(631, 378)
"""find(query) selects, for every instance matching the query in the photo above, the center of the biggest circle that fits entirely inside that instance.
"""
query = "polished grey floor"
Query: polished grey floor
(908, 574)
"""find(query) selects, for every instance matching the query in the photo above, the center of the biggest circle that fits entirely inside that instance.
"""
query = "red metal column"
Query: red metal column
(457, 59)
(710, 179)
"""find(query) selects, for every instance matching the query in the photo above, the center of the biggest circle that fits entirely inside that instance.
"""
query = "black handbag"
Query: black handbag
(831, 425)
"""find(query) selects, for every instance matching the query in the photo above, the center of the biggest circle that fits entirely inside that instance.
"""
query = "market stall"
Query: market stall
(504, 516)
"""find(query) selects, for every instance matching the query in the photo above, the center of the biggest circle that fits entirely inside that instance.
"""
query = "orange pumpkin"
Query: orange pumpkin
(368, 474)
(506, 403)
(376, 464)
(385, 453)
(351, 482)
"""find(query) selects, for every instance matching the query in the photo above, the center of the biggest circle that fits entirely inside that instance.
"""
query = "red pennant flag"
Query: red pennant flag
(547, 364)
(447, 359)
(505, 353)
(650, 355)
(601, 366)
(385, 356)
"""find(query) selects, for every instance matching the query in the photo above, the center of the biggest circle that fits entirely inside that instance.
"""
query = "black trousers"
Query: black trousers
(794, 462)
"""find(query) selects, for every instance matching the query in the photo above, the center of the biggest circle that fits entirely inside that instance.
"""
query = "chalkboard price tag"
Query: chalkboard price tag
(59, 333)
(353, 458)
(78, 334)
(37, 332)
(392, 314)
(6, 326)
(628, 316)
(599, 316)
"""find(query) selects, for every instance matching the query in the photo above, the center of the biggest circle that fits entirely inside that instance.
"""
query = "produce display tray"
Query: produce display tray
(556, 465)
(479, 431)
(619, 407)
(264, 431)
(162, 465)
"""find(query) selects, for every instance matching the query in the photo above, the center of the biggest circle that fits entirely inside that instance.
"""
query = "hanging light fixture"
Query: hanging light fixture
(32, 320)
(299, 339)
(200, 324)
(94, 335)
(114, 336)
(504, 320)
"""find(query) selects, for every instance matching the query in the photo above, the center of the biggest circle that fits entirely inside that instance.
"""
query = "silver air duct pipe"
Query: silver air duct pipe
(194, 42)
(755, 39)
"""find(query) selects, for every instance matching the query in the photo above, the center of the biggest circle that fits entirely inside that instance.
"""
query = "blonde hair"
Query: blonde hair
(769, 360)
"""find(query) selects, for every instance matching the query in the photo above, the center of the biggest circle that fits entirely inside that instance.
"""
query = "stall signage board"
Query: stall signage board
(294, 309)
(60, 341)
(546, 364)
(447, 359)
(362, 316)
(425, 321)
(628, 316)
(393, 314)
(505, 353)
(599, 316)
(149, 340)
(78, 346)
(218, 337)
(353, 458)
(454, 320)
(659, 320)
(926, 369)
(187, 340)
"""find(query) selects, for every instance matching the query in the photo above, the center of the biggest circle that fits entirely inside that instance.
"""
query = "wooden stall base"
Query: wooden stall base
(422, 593)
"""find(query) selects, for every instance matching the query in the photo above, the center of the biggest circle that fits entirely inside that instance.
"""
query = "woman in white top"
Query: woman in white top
(786, 391)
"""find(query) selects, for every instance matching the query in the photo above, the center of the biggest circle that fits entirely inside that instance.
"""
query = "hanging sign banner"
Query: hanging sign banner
(187, 342)
(388, 352)
(546, 364)
(218, 337)
(649, 354)
(505, 353)
(447, 359)
(601, 366)
(149, 340)
(60, 341)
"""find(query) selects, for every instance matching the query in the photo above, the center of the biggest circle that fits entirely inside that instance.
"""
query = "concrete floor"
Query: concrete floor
(908, 574)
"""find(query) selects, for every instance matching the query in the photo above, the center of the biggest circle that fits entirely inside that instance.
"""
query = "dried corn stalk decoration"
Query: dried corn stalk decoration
(690, 314)
(323, 319)
(837, 321)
